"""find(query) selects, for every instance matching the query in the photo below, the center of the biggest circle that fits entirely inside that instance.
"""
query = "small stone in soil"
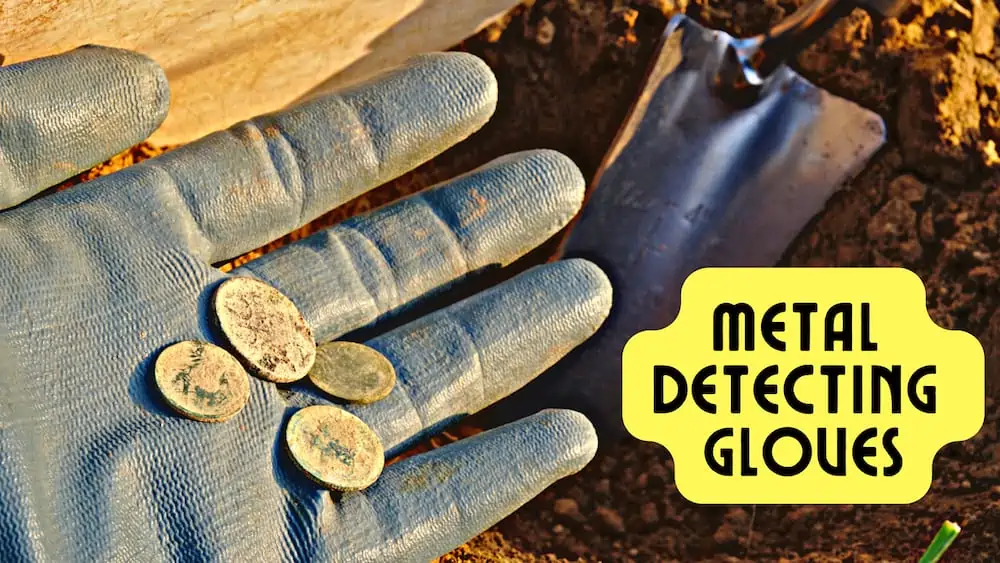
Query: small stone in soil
(649, 513)
(603, 487)
(568, 508)
(334, 448)
(201, 381)
(546, 32)
(353, 372)
(266, 329)
(611, 520)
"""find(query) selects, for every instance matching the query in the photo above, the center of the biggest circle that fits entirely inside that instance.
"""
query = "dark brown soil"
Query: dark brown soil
(928, 202)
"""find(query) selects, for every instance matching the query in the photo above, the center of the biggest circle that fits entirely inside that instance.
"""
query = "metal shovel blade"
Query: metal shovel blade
(690, 182)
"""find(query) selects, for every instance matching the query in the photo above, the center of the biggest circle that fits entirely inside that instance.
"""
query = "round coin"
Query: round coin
(266, 329)
(201, 381)
(353, 372)
(334, 447)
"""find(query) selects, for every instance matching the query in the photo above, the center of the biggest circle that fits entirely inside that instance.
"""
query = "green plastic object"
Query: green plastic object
(947, 534)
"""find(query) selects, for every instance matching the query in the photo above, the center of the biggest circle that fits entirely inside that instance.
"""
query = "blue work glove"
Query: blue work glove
(96, 280)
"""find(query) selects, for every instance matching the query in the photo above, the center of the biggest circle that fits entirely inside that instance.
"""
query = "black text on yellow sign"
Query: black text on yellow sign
(803, 386)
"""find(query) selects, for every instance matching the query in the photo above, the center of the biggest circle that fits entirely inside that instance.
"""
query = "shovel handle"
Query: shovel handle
(765, 53)
(762, 55)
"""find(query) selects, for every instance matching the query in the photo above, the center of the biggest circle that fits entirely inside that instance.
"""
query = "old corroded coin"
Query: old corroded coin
(353, 372)
(201, 381)
(266, 329)
(334, 447)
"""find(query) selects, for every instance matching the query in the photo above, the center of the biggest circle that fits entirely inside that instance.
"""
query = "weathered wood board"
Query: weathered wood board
(229, 60)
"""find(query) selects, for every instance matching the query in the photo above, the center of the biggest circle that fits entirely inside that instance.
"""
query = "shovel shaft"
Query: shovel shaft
(752, 60)
(765, 53)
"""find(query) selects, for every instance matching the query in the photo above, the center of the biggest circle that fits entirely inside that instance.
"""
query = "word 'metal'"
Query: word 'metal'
(838, 326)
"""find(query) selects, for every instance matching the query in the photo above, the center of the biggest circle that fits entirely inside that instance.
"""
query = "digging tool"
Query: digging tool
(725, 157)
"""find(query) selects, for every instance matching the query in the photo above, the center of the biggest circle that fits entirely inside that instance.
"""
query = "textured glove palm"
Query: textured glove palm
(97, 279)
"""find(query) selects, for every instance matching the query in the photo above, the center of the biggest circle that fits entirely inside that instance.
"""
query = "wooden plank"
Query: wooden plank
(229, 60)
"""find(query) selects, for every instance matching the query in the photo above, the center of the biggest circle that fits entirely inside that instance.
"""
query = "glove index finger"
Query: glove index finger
(63, 114)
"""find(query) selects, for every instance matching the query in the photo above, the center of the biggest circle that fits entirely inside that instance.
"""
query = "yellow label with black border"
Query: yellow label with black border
(803, 386)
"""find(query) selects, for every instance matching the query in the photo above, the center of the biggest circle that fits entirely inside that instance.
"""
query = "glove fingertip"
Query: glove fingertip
(597, 285)
(473, 79)
(577, 437)
(68, 112)
(149, 101)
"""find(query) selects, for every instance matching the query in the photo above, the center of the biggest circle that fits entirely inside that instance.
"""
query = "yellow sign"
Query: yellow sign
(803, 386)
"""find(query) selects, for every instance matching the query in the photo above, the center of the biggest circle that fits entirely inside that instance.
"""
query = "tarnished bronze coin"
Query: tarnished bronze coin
(334, 447)
(353, 372)
(266, 329)
(201, 381)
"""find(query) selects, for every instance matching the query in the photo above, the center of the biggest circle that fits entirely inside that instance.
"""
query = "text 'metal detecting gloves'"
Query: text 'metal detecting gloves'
(97, 279)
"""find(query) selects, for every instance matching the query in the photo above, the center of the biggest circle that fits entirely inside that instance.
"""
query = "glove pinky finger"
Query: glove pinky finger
(427, 505)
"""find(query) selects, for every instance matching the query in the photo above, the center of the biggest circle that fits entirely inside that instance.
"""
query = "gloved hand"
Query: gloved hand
(96, 280)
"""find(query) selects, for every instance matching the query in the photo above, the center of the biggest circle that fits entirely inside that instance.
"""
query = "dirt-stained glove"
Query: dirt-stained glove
(96, 280)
